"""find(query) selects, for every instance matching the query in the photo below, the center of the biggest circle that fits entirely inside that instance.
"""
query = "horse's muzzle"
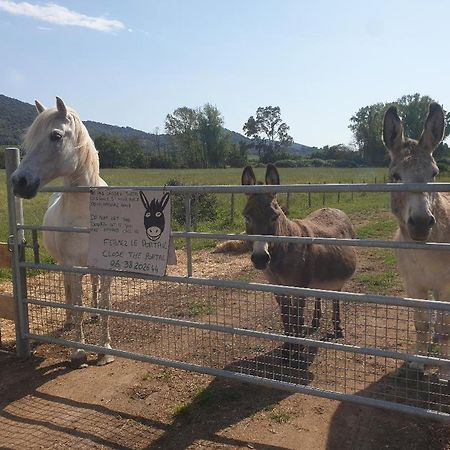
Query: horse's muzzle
(25, 187)
(260, 260)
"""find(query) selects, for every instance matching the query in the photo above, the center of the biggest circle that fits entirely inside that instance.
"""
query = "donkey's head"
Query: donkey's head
(412, 162)
(154, 220)
(261, 214)
(50, 147)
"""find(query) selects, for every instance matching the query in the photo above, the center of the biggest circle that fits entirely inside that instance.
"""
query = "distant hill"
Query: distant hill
(17, 116)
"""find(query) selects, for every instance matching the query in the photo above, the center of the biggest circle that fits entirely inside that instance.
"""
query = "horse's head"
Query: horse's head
(412, 162)
(261, 214)
(50, 148)
(154, 220)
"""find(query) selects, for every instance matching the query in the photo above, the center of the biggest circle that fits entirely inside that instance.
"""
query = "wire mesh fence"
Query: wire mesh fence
(240, 330)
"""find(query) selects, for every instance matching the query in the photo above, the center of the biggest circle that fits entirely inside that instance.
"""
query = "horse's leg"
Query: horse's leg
(78, 357)
(315, 324)
(336, 319)
(105, 303)
(94, 283)
(69, 322)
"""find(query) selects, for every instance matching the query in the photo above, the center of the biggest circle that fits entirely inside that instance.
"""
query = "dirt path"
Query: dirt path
(132, 405)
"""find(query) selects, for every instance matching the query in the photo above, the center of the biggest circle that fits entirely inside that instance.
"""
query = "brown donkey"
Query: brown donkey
(421, 217)
(302, 265)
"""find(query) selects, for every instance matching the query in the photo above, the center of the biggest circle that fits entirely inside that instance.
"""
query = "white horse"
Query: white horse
(421, 217)
(58, 145)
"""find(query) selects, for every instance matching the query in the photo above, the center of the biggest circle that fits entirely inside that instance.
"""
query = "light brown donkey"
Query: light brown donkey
(302, 265)
(421, 217)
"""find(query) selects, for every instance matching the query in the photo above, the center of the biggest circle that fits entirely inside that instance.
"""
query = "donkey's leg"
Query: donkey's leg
(315, 324)
(69, 322)
(336, 319)
(94, 284)
(78, 357)
(105, 303)
(421, 323)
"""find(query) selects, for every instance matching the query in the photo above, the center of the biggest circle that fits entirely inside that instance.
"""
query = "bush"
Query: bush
(203, 206)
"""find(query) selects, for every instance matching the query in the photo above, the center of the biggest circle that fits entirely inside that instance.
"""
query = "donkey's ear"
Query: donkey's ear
(248, 176)
(144, 200)
(61, 107)
(433, 130)
(39, 106)
(392, 130)
(272, 175)
(164, 200)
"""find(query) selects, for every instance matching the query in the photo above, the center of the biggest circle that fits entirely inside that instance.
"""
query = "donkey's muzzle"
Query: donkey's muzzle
(260, 260)
(419, 227)
(25, 187)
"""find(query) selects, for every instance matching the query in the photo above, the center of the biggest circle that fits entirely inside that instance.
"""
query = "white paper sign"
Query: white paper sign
(130, 231)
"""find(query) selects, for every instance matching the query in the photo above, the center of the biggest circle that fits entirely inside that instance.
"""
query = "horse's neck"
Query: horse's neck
(85, 174)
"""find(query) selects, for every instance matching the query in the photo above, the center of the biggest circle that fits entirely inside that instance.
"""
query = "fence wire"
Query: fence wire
(240, 331)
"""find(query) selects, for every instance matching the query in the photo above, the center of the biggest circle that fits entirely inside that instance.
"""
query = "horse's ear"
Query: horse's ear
(164, 200)
(272, 175)
(248, 176)
(39, 106)
(61, 106)
(433, 130)
(392, 130)
(144, 200)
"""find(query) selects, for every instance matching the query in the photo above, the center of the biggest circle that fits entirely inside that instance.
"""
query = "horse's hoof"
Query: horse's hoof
(78, 359)
(103, 360)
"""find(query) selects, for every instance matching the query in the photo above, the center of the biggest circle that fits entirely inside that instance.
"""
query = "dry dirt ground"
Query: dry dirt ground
(128, 404)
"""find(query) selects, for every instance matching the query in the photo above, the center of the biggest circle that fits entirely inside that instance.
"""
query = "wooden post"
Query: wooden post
(232, 208)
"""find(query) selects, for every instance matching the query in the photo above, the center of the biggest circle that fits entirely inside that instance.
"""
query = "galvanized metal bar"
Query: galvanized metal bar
(248, 332)
(237, 376)
(330, 187)
(317, 240)
(15, 216)
(272, 288)
(434, 246)
(35, 246)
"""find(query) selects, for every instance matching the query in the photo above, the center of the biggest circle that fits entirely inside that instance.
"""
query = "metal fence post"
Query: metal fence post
(17, 242)
(187, 200)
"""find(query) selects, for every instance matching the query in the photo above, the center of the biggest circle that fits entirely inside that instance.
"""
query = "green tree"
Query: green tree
(367, 124)
(269, 133)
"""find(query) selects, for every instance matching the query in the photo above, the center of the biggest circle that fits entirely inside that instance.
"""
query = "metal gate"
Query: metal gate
(229, 327)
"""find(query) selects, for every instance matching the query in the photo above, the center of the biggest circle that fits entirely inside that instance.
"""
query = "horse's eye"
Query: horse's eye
(56, 135)
(396, 178)
(158, 214)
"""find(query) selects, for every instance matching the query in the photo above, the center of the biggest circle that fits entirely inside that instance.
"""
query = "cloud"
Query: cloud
(60, 15)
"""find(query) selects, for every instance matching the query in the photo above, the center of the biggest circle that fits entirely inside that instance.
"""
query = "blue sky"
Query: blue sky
(131, 63)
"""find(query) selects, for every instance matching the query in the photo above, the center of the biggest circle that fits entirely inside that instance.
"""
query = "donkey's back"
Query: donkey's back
(328, 222)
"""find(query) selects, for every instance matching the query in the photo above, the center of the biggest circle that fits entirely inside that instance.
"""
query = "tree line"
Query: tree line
(198, 139)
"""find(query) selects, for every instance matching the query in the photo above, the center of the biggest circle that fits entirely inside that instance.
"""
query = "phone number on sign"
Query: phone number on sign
(131, 265)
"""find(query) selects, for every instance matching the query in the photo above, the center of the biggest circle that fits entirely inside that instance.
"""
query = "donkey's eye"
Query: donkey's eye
(273, 218)
(158, 214)
(435, 173)
(56, 135)
(396, 178)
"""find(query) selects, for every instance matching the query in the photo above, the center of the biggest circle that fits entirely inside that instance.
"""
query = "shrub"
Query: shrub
(203, 206)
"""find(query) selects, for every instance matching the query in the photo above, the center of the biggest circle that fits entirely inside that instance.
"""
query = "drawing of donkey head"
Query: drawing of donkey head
(154, 220)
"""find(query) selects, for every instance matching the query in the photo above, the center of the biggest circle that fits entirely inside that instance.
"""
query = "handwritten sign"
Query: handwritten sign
(130, 231)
